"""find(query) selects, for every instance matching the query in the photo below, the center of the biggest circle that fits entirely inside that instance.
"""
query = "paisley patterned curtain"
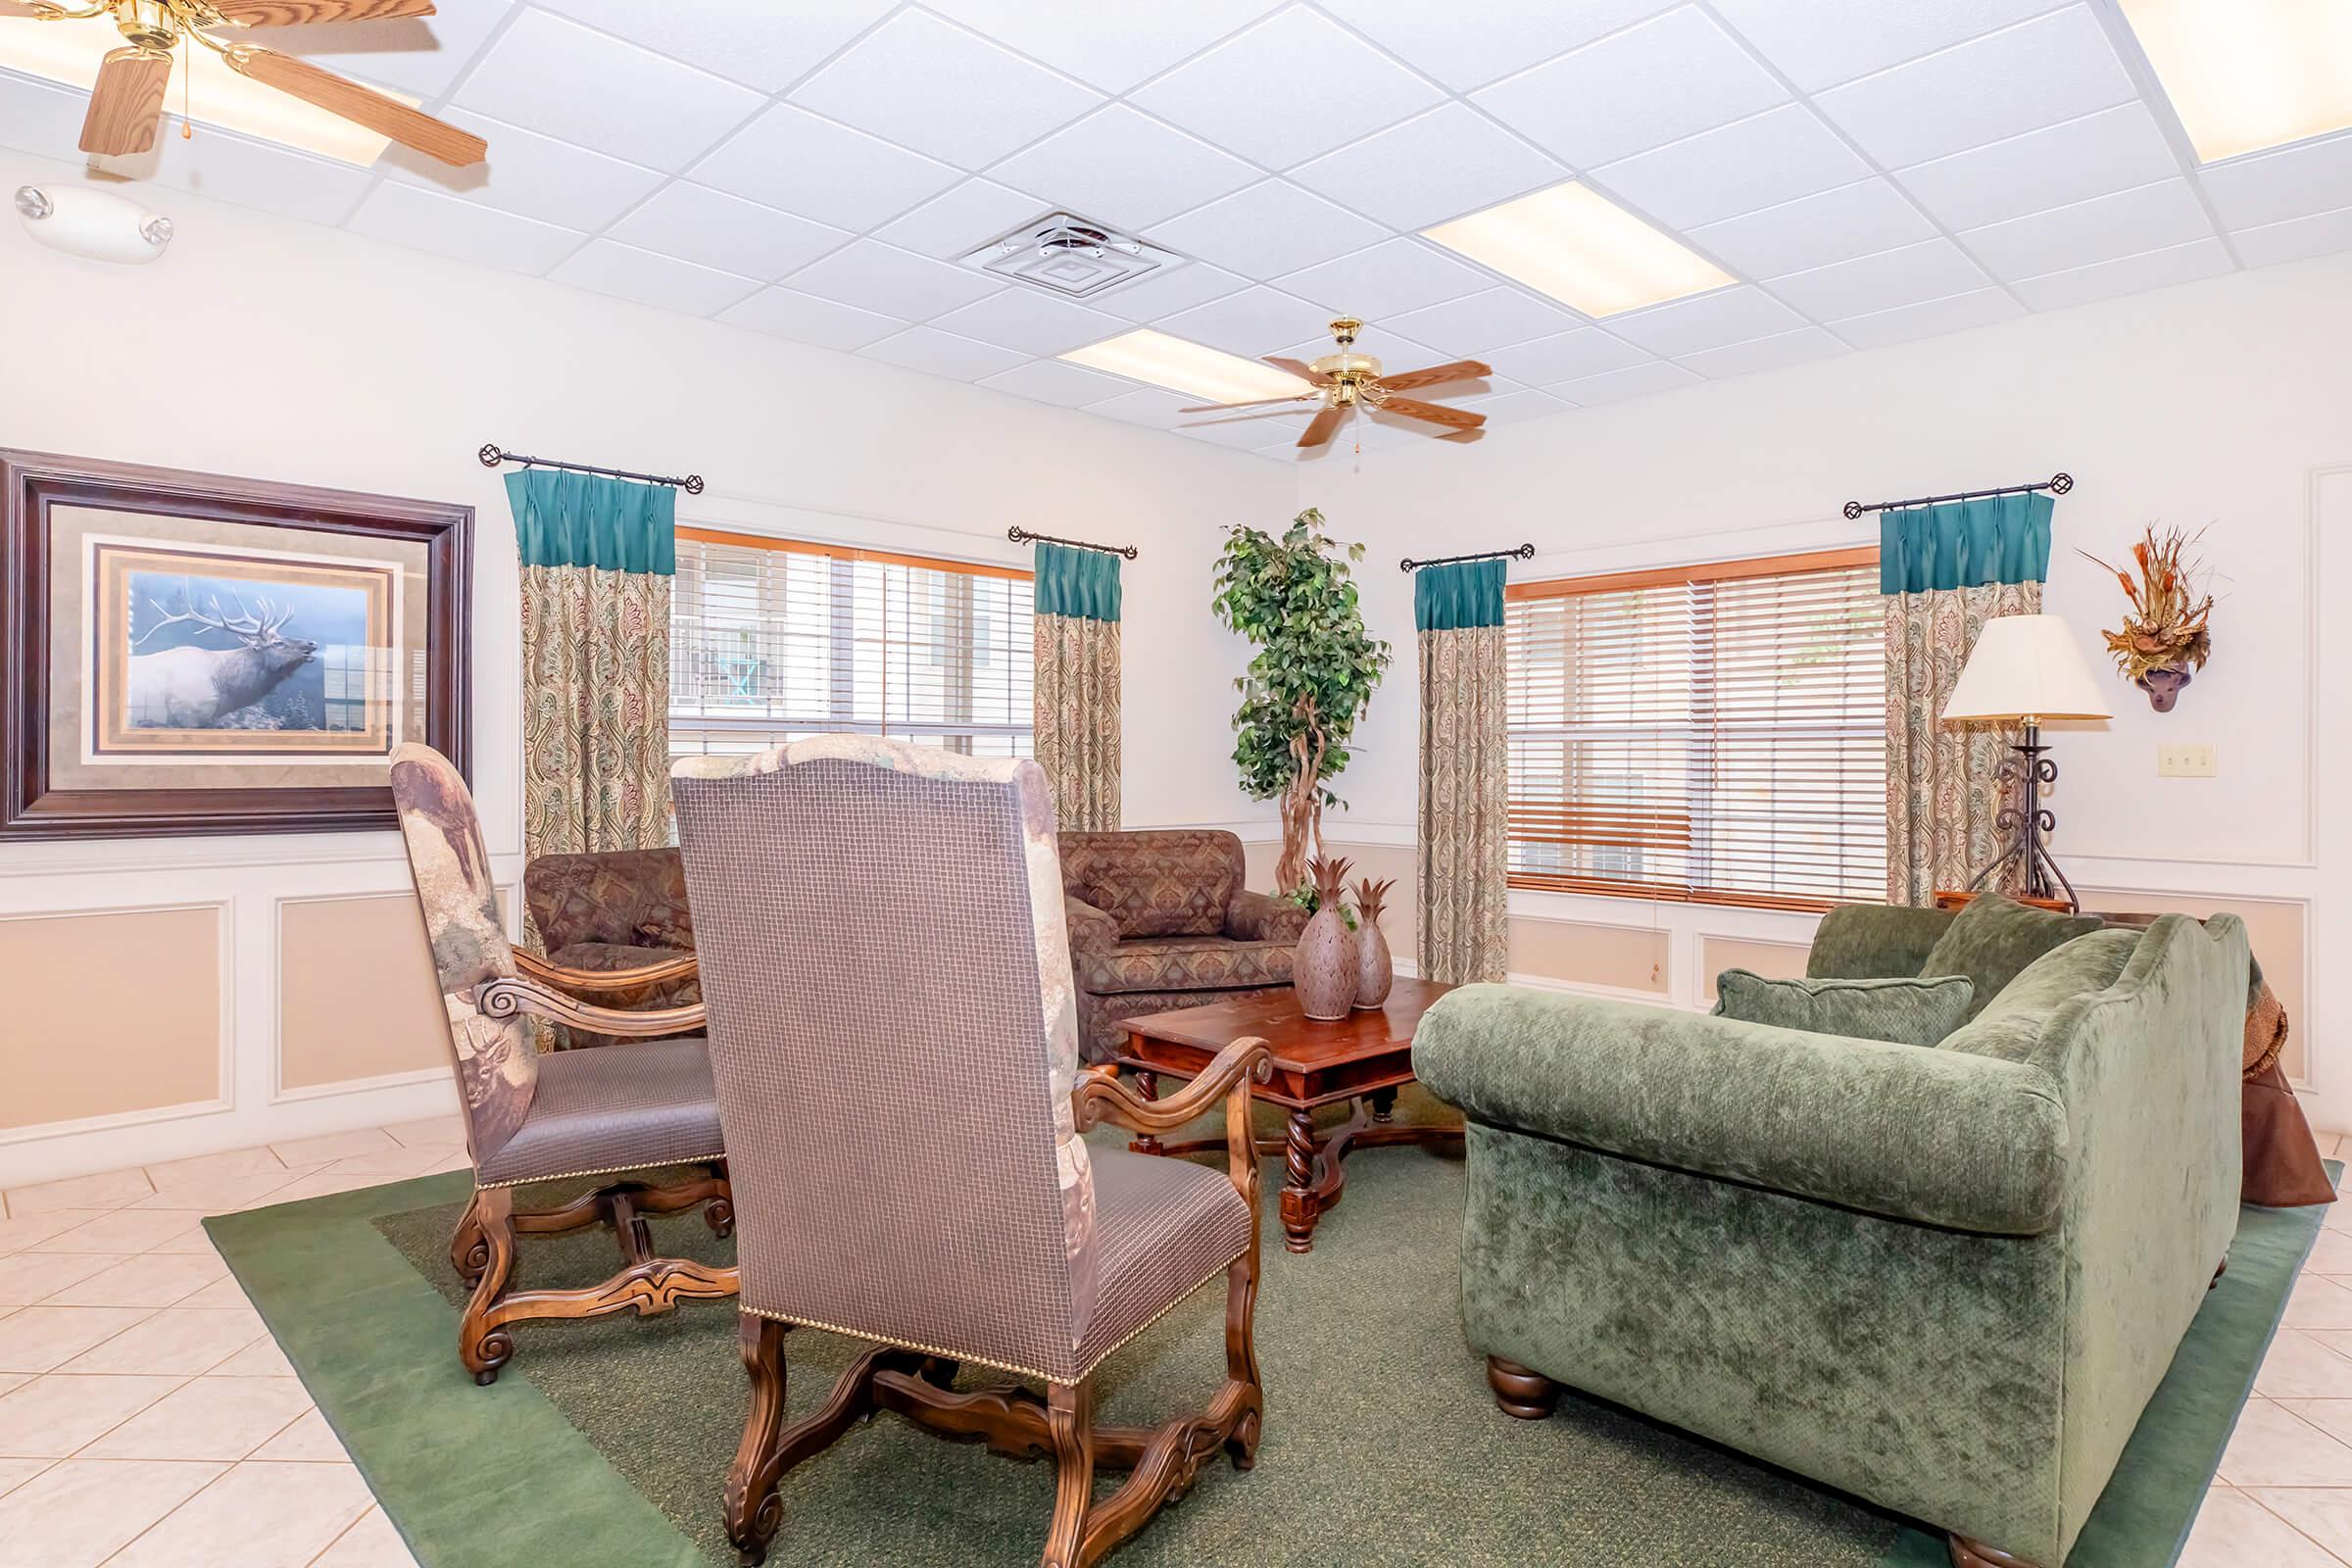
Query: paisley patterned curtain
(1463, 840)
(1077, 686)
(597, 556)
(1944, 571)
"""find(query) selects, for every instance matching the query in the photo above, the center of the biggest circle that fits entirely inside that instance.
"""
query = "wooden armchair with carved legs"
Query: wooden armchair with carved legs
(892, 1025)
(613, 1110)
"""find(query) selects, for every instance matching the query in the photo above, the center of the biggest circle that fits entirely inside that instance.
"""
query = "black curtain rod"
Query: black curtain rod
(1021, 536)
(492, 457)
(1521, 553)
(2056, 484)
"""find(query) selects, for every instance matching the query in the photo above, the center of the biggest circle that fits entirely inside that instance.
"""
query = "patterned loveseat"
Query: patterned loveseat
(1160, 920)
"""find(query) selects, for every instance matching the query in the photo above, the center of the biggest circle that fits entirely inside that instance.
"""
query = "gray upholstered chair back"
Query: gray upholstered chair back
(894, 1043)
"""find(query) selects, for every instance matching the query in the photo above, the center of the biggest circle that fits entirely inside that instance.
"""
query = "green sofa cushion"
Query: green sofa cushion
(2014, 1025)
(1915, 1010)
(1994, 937)
(1871, 941)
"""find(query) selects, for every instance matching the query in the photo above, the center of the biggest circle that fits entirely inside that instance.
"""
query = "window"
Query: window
(772, 641)
(1714, 733)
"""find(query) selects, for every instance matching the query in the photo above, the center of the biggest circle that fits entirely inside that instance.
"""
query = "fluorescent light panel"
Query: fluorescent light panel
(1209, 375)
(2245, 74)
(1582, 249)
(70, 52)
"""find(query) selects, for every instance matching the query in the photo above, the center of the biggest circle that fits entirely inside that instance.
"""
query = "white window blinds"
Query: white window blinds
(1716, 734)
(772, 641)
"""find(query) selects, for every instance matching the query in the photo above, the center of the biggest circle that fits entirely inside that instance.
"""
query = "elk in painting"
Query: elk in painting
(192, 687)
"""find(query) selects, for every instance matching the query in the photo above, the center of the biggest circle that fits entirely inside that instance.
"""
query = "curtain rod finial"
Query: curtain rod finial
(490, 456)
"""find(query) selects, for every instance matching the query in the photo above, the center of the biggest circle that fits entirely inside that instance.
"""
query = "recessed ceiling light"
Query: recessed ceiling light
(2245, 75)
(70, 52)
(1580, 248)
(1210, 375)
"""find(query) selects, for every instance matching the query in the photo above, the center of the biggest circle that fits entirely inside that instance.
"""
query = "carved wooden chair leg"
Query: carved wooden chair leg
(754, 1512)
(1967, 1553)
(719, 1213)
(468, 1248)
(484, 1345)
(1530, 1395)
(1070, 1418)
(1240, 1357)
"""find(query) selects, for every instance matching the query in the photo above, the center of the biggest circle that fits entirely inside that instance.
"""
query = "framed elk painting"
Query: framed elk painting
(192, 653)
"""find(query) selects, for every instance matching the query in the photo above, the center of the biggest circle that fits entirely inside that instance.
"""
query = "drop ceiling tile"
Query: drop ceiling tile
(1477, 323)
(766, 46)
(874, 276)
(1650, 84)
(1020, 317)
(607, 266)
(1267, 230)
(810, 167)
(2130, 275)
(1819, 42)
(1764, 353)
(1929, 271)
(1705, 322)
(578, 85)
(1249, 324)
(1257, 94)
(1522, 403)
(1166, 292)
(946, 93)
(1150, 406)
(1387, 279)
(927, 349)
(781, 313)
(1052, 381)
(1777, 155)
(2035, 73)
(1616, 386)
(1442, 165)
(1566, 357)
(962, 220)
(1125, 169)
(2101, 229)
(2112, 150)
(1855, 220)
(2294, 182)
(1466, 51)
(530, 175)
(428, 221)
(1083, 40)
(712, 228)
(419, 55)
(1909, 321)
(2297, 237)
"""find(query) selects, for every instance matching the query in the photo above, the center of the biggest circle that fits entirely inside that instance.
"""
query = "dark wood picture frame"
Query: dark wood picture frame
(32, 482)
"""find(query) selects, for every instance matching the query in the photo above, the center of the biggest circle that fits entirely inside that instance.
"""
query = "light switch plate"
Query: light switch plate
(2185, 762)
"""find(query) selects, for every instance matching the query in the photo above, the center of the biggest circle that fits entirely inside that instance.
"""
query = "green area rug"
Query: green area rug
(607, 1442)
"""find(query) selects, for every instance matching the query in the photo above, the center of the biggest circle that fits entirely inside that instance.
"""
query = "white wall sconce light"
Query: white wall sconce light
(93, 224)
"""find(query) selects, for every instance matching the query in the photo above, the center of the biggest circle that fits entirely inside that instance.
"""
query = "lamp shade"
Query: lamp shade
(2025, 666)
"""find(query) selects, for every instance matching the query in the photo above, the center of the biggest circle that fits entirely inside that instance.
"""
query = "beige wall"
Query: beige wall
(111, 1014)
(1775, 960)
(326, 1033)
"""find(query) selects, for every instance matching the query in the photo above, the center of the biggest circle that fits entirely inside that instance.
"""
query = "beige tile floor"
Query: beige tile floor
(147, 1420)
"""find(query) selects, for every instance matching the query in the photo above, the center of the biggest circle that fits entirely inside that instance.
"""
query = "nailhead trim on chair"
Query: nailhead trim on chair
(609, 1170)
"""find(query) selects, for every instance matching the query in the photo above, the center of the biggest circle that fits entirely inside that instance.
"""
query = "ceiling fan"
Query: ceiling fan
(127, 102)
(1347, 381)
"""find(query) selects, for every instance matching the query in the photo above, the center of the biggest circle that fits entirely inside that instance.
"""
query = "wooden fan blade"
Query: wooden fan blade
(386, 117)
(1459, 370)
(1434, 413)
(126, 103)
(1304, 372)
(1321, 428)
(295, 13)
(1259, 402)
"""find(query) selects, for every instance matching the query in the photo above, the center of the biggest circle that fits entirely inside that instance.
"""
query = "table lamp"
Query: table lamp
(2027, 668)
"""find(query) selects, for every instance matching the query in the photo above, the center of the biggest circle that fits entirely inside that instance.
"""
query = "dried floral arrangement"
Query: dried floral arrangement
(2166, 635)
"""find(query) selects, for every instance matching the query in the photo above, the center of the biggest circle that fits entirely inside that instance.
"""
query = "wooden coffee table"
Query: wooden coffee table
(1365, 1056)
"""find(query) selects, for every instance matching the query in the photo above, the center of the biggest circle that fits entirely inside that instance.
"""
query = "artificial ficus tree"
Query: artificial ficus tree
(1314, 669)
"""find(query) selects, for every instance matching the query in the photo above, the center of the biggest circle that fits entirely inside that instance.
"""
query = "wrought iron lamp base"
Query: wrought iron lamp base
(2029, 823)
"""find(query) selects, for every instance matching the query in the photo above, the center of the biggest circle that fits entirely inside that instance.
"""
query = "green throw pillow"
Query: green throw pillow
(1994, 937)
(1905, 1010)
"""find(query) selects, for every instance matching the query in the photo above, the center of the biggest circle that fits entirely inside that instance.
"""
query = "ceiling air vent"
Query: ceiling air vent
(1070, 256)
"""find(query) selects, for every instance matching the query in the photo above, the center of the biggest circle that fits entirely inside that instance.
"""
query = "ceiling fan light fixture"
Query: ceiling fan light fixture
(2246, 75)
(1186, 366)
(1582, 249)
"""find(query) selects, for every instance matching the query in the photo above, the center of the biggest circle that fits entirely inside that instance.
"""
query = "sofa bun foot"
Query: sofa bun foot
(1967, 1553)
(1528, 1395)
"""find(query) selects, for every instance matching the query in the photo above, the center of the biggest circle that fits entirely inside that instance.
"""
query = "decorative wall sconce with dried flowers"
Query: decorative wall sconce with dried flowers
(2165, 637)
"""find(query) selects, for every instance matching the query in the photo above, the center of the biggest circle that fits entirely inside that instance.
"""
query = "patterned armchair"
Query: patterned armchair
(614, 910)
(1160, 920)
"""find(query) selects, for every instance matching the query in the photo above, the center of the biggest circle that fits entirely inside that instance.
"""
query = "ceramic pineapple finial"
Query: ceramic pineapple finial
(1323, 970)
(1375, 968)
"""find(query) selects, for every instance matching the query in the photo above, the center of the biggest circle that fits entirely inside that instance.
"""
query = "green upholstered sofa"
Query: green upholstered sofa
(1943, 1279)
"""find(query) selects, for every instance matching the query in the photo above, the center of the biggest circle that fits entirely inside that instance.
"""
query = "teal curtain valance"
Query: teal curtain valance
(1964, 544)
(1467, 593)
(1080, 583)
(564, 518)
